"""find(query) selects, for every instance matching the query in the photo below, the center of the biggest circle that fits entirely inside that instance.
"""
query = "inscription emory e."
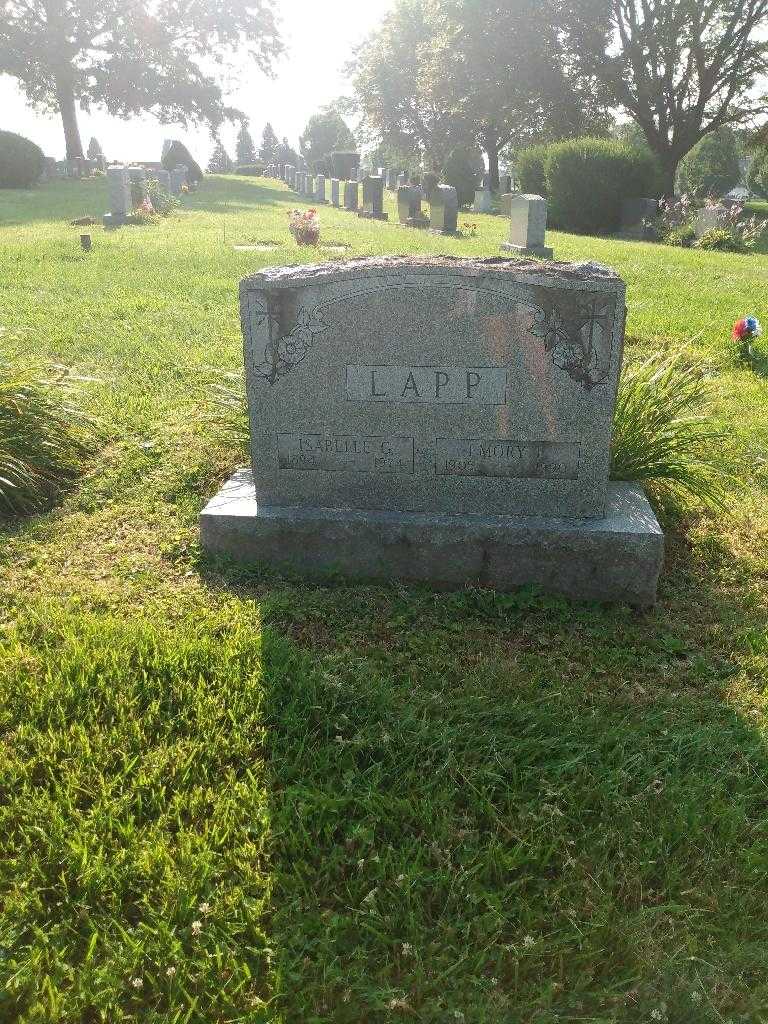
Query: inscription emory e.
(539, 460)
(353, 453)
(433, 385)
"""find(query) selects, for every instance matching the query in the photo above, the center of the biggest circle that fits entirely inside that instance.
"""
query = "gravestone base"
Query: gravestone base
(114, 220)
(617, 558)
(372, 216)
(543, 252)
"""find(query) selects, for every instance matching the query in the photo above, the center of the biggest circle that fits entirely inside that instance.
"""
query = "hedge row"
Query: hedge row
(585, 180)
(21, 161)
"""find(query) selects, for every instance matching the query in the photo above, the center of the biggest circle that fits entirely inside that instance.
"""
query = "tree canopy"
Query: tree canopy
(439, 74)
(244, 147)
(325, 132)
(713, 166)
(146, 56)
(680, 68)
(269, 143)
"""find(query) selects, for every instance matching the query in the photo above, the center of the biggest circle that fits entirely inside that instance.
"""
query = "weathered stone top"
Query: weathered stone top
(535, 271)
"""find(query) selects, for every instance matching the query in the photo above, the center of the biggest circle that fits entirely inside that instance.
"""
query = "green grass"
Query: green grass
(396, 804)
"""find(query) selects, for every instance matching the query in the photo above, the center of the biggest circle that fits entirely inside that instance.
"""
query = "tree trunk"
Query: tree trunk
(492, 152)
(669, 164)
(65, 95)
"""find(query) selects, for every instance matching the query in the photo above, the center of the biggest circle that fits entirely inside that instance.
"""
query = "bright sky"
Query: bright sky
(319, 38)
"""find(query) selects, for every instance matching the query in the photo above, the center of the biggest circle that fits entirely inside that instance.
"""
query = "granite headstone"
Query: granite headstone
(373, 198)
(527, 226)
(438, 419)
(351, 189)
(443, 209)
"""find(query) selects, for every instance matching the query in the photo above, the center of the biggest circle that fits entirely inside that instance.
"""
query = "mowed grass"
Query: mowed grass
(229, 796)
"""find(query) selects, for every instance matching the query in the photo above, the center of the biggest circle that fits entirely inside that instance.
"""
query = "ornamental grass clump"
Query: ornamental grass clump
(665, 436)
(225, 408)
(45, 436)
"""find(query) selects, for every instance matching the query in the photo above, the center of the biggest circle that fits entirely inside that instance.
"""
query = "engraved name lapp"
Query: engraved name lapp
(351, 453)
(433, 385)
(551, 460)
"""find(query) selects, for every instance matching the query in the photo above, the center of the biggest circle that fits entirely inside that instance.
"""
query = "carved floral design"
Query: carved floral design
(282, 354)
(580, 345)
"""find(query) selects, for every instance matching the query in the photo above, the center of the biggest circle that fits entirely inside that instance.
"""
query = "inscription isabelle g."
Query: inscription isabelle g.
(351, 453)
(549, 460)
(432, 385)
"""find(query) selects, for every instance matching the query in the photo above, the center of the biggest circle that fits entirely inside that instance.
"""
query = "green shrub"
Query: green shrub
(21, 161)
(252, 170)
(530, 170)
(683, 236)
(712, 167)
(177, 154)
(587, 179)
(461, 170)
(722, 239)
(665, 437)
(45, 436)
(162, 200)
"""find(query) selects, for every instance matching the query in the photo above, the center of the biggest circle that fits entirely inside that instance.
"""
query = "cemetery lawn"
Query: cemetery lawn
(230, 797)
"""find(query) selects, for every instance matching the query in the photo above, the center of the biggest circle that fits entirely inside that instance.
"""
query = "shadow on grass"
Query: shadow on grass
(494, 807)
(68, 199)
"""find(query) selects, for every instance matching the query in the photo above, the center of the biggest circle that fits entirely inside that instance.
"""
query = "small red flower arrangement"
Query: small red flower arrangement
(744, 332)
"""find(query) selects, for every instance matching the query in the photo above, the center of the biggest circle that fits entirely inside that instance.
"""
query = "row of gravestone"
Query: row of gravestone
(527, 213)
(120, 179)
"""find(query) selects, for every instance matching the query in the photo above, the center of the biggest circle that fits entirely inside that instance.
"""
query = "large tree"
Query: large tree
(325, 132)
(244, 148)
(503, 70)
(269, 144)
(396, 85)
(493, 72)
(680, 68)
(146, 55)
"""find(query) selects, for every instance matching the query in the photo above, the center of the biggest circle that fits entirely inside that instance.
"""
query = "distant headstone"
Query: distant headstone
(483, 201)
(505, 184)
(163, 178)
(527, 226)
(373, 198)
(320, 188)
(49, 168)
(138, 175)
(178, 178)
(119, 190)
(409, 206)
(635, 214)
(438, 420)
(392, 179)
(350, 195)
(335, 183)
(402, 179)
(708, 218)
(443, 209)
